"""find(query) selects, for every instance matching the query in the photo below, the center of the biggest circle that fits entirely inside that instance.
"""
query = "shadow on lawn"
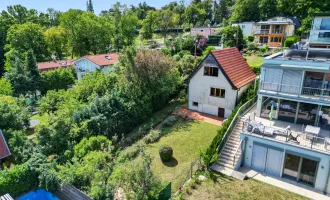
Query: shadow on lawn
(172, 163)
(220, 178)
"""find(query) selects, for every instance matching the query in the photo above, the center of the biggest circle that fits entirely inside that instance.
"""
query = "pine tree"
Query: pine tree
(32, 73)
(17, 77)
(90, 6)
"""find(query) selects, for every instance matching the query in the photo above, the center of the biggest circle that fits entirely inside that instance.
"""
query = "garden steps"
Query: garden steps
(226, 158)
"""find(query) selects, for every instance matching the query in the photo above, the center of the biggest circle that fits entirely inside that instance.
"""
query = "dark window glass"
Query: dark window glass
(212, 92)
(291, 166)
(266, 107)
(223, 93)
(308, 171)
(216, 92)
(211, 71)
(195, 104)
(324, 35)
(307, 114)
(287, 110)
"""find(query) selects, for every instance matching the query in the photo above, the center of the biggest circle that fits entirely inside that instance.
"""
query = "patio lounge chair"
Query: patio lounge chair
(283, 132)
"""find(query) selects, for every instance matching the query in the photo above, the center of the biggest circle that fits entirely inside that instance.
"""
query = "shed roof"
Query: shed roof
(51, 65)
(4, 150)
(103, 59)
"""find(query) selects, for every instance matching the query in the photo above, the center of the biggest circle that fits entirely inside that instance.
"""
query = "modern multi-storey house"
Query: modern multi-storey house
(274, 31)
(320, 33)
(286, 134)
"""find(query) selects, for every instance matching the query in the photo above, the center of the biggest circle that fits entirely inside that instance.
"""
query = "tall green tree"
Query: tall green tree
(89, 4)
(57, 40)
(32, 73)
(193, 14)
(165, 21)
(268, 9)
(25, 37)
(17, 77)
(221, 11)
(245, 11)
(179, 10)
(149, 25)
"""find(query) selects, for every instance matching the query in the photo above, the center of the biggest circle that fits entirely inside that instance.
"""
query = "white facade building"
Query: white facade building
(102, 62)
(320, 33)
(218, 82)
(248, 28)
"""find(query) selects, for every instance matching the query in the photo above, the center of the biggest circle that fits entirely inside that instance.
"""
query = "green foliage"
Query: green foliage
(252, 46)
(268, 9)
(170, 121)
(250, 38)
(153, 136)
(214, 39)
(14, 115)
(5, 87)
(166, 153)
(57, 40)
(20, 146)
(229, 34)
(186, 65)
(262, 49)
(17, 180)
(32, 73)
(245, 11)
(183, 53)
(17, 77)
(208, 50)
(58, 79)
(85, 146)
(290, 41)
(210, 155)
(255, 69)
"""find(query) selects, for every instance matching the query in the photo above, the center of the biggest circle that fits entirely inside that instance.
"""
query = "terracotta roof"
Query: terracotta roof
(51, 65)
(4, 150)
(235, 68)
(103, 59)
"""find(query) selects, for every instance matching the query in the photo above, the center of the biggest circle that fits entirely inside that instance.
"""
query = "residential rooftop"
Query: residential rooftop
(50, 65)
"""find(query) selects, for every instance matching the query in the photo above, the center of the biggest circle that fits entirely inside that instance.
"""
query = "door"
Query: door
(259, 157)
(221, 112)
(274, 162)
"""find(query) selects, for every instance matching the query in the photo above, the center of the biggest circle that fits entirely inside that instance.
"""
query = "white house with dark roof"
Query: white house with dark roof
(218, 82)
(87, 64)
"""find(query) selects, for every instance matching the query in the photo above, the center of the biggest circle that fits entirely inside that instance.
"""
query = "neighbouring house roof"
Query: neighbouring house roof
(232, 65)
(51, 65)
(102, 59)
(274, 22)
(4, 150)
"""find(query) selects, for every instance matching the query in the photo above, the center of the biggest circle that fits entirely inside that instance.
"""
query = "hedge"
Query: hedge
(17, 180)
(214, 39)
(290, 41)
(211, 154)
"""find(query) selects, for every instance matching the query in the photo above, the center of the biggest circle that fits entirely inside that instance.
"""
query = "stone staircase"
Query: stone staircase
(226, 159)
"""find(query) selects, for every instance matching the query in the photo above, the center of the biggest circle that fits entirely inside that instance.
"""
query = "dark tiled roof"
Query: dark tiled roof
(4, 150)
(103, 59)
(235, 68)
(51, 65)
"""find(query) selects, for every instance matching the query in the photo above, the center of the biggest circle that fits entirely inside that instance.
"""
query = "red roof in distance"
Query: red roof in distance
(103, 59)
(234, 65)
(51, 65)
(4, 150)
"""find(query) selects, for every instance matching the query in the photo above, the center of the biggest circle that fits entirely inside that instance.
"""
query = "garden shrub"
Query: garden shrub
(166, 153)
(290, 41)
(170, 121)
(263, 49)
(128, 154)
(252, 46)
(17, 180)
(214, 39)
(255, 69)
(152, 137)
(183, 53)
(250, 38)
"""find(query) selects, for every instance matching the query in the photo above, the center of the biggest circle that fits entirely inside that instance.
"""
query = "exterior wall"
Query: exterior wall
(316, 29)
(243, 89)
(247, 28)
(205, 31)
(85, 66)
(323, 167)
(199, 91)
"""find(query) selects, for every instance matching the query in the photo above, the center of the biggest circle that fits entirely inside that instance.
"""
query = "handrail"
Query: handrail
(234, 121)
(240, 143)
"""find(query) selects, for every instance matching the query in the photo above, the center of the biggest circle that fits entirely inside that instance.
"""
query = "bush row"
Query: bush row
(211, 154)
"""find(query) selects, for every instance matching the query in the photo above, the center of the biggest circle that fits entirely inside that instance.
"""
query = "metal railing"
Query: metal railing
(291, 137)
(323, 94)
(231, 126)
(236, 152)
(262, 31)
(274, 31)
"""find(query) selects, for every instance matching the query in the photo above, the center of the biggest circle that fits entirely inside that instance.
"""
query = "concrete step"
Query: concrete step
(230, 151)
(227, 157)
(224, 164)
(232, 144)
(222, 169)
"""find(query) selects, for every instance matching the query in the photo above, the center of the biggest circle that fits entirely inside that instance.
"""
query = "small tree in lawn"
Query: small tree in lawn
(32, 73)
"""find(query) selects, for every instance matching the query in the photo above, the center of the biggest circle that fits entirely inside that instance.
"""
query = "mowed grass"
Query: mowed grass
(186, 138)
(254, 60)
(224, 187)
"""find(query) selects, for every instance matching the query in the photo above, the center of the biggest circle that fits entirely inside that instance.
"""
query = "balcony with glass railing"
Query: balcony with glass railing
(319, 94)
(262, 31)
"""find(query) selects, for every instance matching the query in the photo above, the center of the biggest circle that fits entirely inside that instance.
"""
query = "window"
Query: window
(195, 103)
(243, 26)
(217, 92)
(325, 25)
(276, 39)
(211, 71)
(202, 30)
(324, 35)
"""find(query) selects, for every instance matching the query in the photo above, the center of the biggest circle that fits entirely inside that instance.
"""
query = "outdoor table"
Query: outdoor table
(312, 131)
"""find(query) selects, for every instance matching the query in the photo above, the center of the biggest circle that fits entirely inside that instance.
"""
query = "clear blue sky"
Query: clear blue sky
(64, 5)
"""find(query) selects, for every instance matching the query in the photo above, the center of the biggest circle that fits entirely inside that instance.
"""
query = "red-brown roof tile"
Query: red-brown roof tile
(234, 66)
(51, 65)
(4, 150)
(104, 59)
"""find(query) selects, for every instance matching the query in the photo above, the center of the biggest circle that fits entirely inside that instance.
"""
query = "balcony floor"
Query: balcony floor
(302, 141)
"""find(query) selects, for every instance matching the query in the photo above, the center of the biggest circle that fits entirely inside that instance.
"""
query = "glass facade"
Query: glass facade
(287, 110)
(267, 104)
(324, 121)
(307, 114)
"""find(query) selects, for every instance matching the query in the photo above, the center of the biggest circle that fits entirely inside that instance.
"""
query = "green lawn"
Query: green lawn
(224, 187)
(186, 138)
(41, 118)
(254, 60)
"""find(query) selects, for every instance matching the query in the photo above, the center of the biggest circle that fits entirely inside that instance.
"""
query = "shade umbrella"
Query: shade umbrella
(271, 114)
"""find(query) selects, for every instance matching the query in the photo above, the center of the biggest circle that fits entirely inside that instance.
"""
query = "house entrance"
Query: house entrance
(221, 112)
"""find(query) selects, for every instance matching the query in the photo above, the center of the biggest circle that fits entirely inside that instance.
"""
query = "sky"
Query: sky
(64, 5)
